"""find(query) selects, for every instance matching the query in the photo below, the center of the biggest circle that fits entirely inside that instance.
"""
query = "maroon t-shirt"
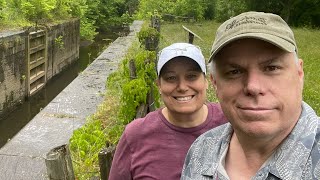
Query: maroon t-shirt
(152, 148)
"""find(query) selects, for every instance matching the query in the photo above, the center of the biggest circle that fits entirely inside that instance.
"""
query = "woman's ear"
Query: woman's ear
(158, 83)
(214, 84)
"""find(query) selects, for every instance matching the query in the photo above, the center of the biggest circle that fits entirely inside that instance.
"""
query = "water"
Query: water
(15, 121)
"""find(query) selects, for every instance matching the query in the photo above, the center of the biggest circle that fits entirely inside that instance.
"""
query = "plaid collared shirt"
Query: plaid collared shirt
(298, 157)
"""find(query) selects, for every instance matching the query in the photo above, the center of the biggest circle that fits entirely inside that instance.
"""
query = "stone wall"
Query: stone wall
(12, 70)
(61, 55)
(62, 49)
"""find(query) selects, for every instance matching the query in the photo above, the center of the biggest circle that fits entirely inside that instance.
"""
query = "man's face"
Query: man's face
(259, 87)
(182, 85)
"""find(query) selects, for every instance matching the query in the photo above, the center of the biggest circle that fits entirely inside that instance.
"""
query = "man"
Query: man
(272, 133)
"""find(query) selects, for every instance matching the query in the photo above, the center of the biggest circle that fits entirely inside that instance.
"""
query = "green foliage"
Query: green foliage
(294, 12)
(59, 42)
(305, 13)
(87, 141)
(35, 10)
(209, 9)
(62, 9)
(148, 32)
(148, 7)
(134, 93)
(82, 10)
(3, 6)
(93, 14)
(145, 64)
(87, 29)
(190, 8)
(119, 108)
(227, 9)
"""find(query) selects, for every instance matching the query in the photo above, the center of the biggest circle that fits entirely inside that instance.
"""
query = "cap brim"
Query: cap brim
(275, 40)
(202, 67)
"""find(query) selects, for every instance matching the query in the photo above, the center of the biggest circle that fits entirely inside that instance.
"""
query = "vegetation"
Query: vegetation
(295, 12)
(94, 14)
(124, 95)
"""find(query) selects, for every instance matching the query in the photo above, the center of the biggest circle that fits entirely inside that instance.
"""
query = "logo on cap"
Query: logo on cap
(246, 20)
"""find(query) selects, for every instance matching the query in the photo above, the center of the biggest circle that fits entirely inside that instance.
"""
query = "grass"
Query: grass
(308, 41)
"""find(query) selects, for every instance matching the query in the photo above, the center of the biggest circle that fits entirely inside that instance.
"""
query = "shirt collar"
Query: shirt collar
(291, 157)
(211, 164)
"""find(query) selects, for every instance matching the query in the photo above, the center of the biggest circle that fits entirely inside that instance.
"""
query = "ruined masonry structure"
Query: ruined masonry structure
(31, 57)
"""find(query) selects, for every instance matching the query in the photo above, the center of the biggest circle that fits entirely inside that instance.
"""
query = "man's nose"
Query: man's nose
(254, 84)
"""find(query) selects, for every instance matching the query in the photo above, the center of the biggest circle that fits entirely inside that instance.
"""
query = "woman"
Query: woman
(154, 147)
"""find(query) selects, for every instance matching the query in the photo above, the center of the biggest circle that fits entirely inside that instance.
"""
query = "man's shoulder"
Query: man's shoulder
(204, 154)
(214, 136)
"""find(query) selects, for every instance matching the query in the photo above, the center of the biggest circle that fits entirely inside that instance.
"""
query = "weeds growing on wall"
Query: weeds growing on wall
(122, 98)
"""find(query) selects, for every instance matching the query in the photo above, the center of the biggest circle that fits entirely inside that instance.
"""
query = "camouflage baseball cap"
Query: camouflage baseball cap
(258, 25)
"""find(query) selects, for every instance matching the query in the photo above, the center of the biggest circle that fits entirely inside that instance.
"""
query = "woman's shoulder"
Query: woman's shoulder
(141, 125)
(215, 113)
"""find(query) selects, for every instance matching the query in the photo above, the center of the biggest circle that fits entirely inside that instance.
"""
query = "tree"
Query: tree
(294, 12)
(148, 7)
(3, 6)
(227, 9)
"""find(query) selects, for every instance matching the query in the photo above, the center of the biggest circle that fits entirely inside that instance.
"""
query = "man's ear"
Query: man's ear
(207, 83)
(214, 84)
(300, 69)
(213, 81)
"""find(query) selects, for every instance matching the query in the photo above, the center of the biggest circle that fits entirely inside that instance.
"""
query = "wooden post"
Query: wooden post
(132, 69)
(105, 157)
(155, 22)
(59, 164)
(191, 35)
(142, 111)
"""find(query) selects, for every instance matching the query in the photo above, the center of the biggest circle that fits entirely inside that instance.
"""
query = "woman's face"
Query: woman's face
(182, 85)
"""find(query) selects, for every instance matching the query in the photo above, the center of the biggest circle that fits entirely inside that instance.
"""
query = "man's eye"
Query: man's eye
(272, 68)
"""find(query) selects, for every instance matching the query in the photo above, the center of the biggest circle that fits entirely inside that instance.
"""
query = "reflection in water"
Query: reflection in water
(11, 124)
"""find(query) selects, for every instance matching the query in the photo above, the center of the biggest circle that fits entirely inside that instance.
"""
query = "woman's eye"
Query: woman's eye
(192, 76)
(234, 72)
(170, 78)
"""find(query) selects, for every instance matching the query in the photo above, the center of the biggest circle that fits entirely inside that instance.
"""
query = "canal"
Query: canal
(16, 120)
